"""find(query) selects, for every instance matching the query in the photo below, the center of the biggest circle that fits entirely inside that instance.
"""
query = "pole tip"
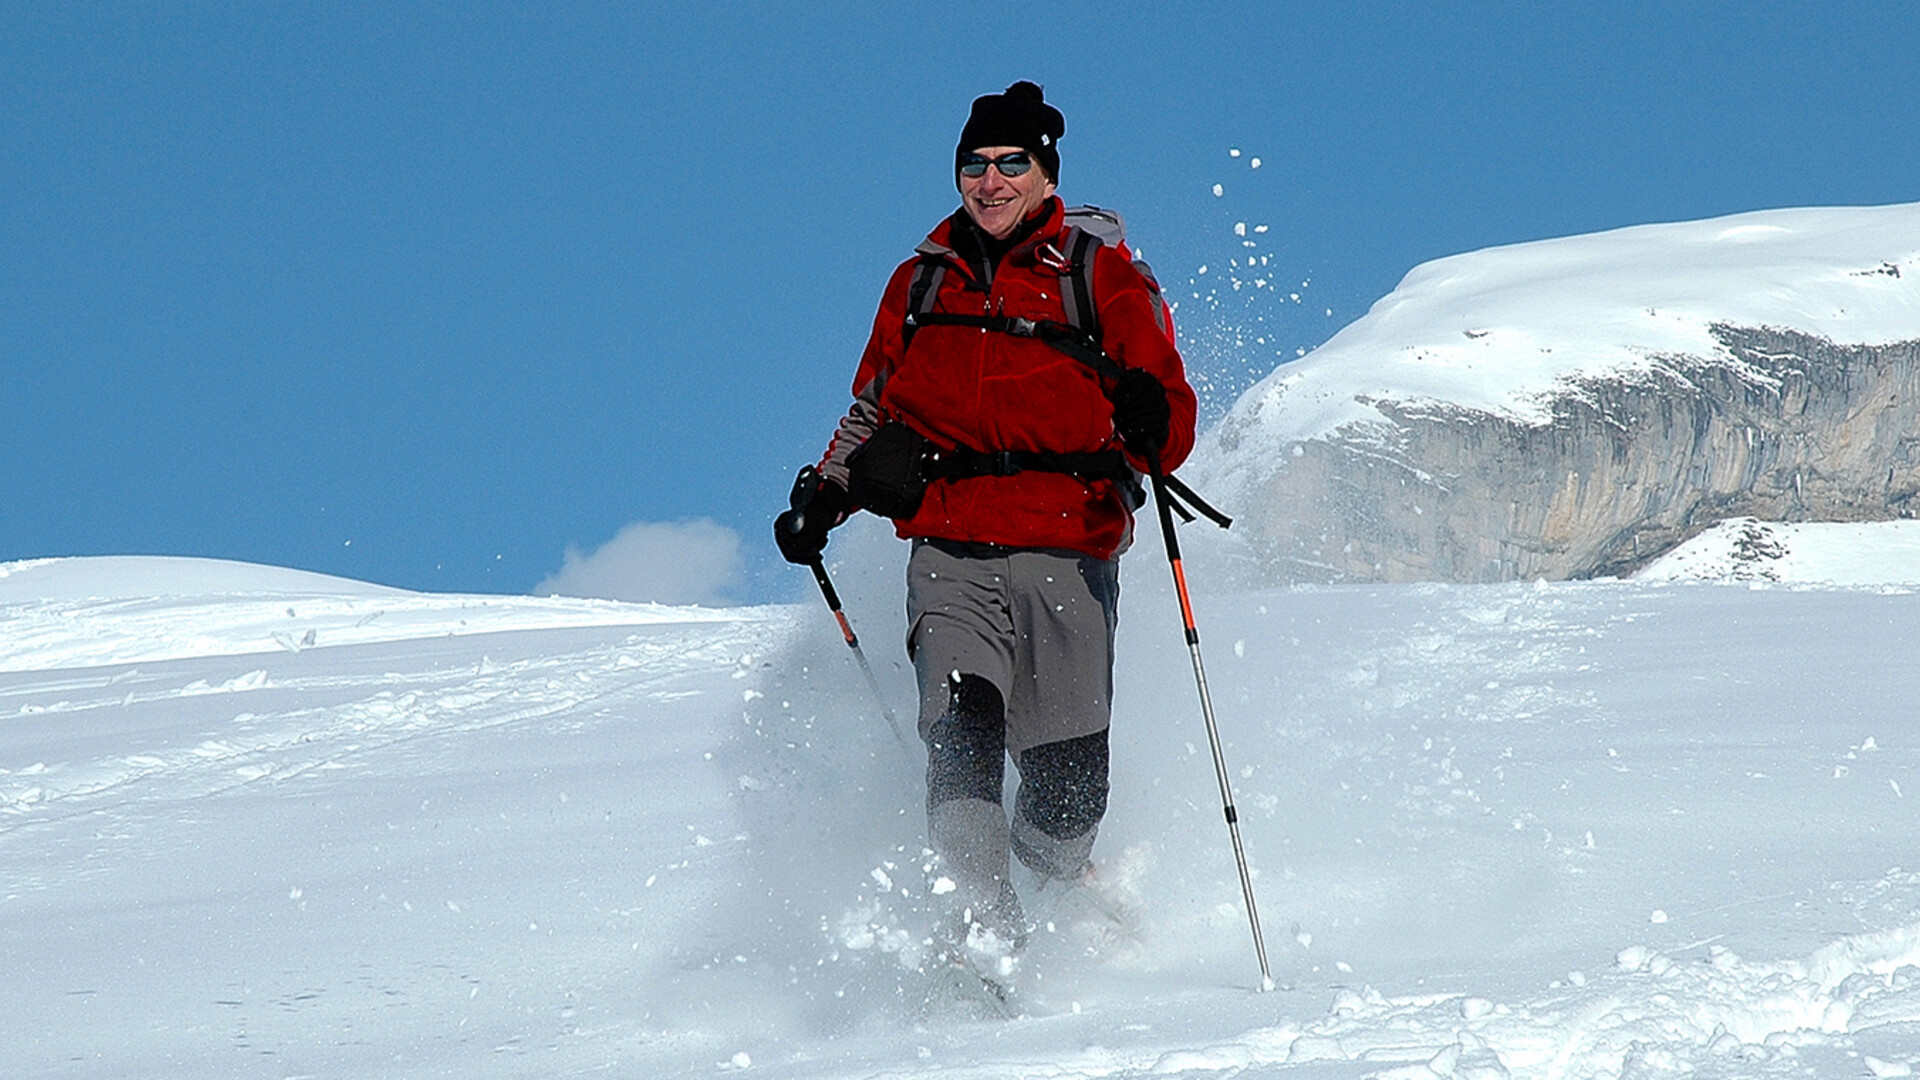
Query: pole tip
(1266, 984)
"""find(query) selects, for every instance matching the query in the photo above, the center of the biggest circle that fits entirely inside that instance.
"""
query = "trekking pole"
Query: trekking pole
(804, 486)
(1165, 504)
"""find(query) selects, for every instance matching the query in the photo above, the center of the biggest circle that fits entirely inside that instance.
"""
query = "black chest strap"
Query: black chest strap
(1079, 340)
(1076, 298)
(1063, 338)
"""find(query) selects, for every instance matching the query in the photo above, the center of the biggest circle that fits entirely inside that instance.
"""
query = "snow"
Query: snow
(520, 837)
(1860, 554)
(124, 610)
(1499, 330)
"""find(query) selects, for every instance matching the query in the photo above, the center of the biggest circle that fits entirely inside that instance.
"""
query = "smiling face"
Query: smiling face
(997, 203)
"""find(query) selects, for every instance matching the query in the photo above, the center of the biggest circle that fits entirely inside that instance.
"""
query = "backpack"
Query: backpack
(1086, 226)
(911, 460)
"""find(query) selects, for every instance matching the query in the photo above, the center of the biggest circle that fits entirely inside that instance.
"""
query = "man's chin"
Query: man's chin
(996, 222)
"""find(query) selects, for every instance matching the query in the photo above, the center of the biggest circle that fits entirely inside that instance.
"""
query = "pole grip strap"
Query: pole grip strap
(1181, 497)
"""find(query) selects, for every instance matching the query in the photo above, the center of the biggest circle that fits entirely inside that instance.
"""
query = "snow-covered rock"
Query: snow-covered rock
(1808, 553)
(1577, 406)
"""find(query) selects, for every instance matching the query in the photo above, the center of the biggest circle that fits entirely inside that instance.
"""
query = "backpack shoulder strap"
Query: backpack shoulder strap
(922, 294)
(1111, 229)
(1082, 315)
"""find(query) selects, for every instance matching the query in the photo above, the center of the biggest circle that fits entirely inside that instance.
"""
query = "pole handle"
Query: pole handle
(806, 484)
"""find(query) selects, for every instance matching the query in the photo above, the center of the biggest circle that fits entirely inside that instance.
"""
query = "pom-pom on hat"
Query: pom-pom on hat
(1018, 117)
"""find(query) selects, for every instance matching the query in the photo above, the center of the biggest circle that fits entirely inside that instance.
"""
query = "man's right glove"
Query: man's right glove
(1141, 412)
(818, 504)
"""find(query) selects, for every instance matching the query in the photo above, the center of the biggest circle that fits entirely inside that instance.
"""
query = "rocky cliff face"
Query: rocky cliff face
(1777, 424)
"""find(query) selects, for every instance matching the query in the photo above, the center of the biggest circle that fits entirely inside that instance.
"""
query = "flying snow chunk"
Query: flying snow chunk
(1633, 958)
(1218, 191)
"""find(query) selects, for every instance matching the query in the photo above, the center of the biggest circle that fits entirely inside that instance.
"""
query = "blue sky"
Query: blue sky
(432, 294)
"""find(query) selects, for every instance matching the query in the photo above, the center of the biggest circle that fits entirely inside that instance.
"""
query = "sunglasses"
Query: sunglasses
(973, 166)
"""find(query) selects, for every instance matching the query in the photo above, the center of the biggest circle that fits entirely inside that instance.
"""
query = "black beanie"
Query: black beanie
(1020, 117)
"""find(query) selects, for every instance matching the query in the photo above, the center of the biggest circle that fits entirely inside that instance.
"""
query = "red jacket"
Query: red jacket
(961, 386)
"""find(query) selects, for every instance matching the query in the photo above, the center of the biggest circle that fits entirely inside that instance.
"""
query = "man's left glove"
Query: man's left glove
(1141, 412)
(819, 504)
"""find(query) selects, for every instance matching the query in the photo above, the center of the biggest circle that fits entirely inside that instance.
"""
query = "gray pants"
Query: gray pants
(1013, 648)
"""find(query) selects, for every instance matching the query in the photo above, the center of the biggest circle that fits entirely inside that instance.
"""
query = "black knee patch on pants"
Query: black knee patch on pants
(1063, 785)
(967, 744)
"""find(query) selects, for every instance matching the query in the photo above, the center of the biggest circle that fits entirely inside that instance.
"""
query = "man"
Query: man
(1011, 465)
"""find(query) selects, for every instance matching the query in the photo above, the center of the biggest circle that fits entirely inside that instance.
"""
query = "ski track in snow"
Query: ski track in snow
(364, 715)
(1585, 830)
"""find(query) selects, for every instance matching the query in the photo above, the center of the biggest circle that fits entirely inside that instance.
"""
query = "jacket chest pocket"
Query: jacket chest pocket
(1027, 299)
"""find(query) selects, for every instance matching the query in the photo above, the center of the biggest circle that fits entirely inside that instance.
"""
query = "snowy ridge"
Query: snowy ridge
(1498, 330)
(121, 576)
(139, 610)
(1576, 407)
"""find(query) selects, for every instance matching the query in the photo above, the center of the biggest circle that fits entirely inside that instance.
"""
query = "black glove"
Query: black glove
(1141, 413)
(818, 504)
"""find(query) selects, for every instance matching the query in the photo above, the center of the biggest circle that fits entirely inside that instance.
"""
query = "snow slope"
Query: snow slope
(126, 609)
(1497, 330)
(1821, 552)
(1583, 830)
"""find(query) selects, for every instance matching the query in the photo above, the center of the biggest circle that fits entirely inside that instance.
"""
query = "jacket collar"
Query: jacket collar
(943, 241)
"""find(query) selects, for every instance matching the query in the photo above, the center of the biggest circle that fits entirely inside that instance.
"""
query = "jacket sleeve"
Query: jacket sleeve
(884, 348)
(1134, 331)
